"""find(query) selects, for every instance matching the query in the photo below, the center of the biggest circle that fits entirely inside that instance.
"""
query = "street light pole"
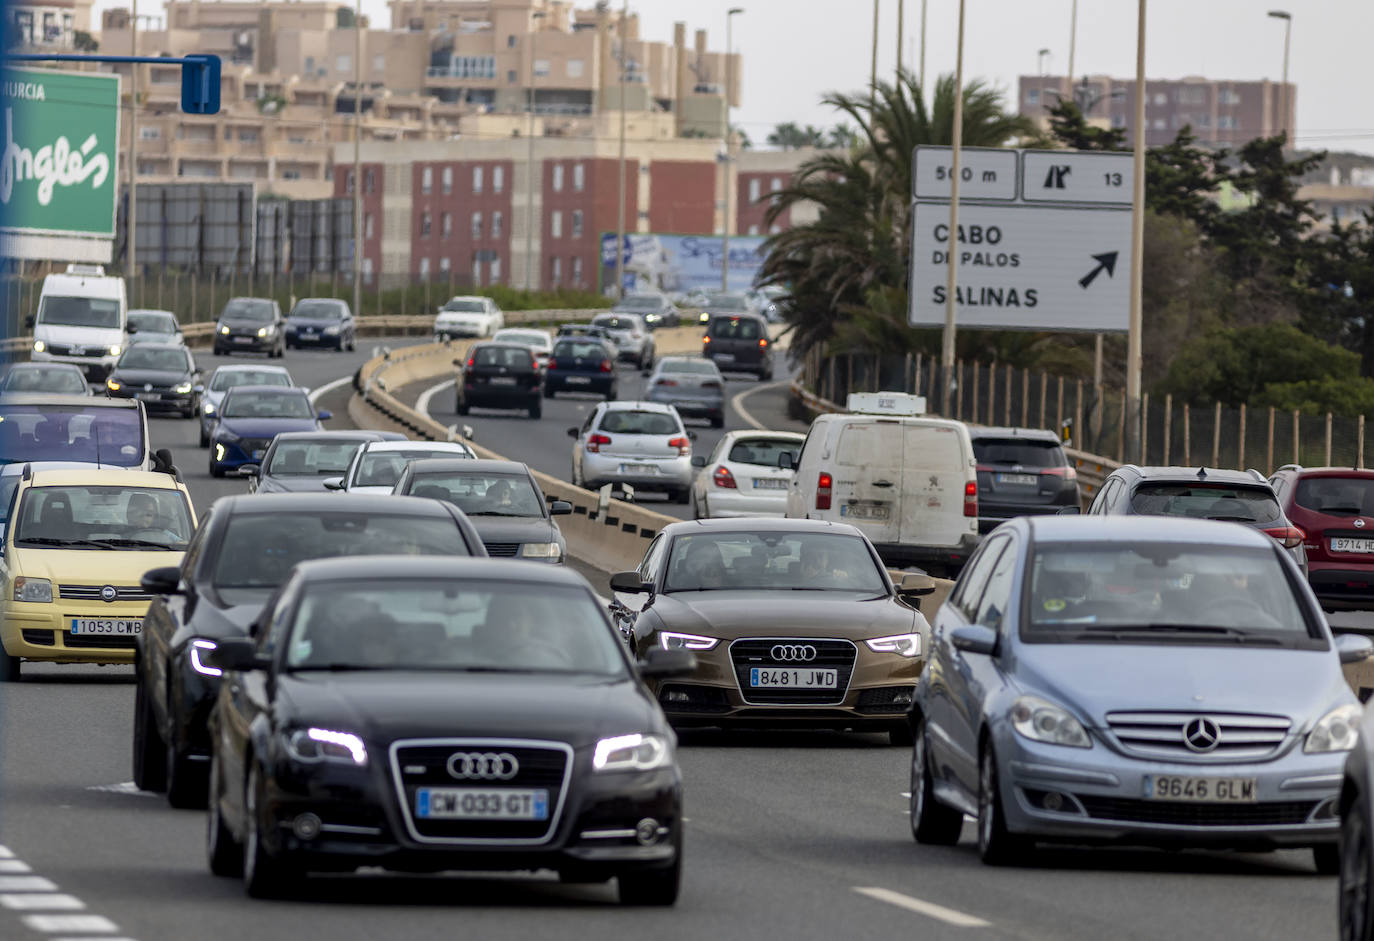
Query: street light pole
(1133, 339)
(1040, 58)
(1287, 32)
(620, 213)
(358, 164)
(952, 278)
(901, 30)
(923, 48)
(729, 80)
(529, 166)
(1073, 39)
(131, 219)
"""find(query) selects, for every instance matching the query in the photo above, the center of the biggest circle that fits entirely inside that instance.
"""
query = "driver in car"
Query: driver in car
(141, 514)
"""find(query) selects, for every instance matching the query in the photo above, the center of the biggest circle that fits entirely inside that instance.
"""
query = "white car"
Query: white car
(638, 443)
(539, 342)
(377, 465)
(468, 316)
(741, 477)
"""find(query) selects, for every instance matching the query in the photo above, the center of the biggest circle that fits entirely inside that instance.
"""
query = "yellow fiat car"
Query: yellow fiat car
(76, 544)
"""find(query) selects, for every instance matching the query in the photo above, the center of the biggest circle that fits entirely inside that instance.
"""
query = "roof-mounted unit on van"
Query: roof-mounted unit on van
(95, 271)
(885, 403)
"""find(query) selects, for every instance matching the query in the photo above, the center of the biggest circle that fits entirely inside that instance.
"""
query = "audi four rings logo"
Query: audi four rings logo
(1201, 735)
(486, 766)
(803, 653)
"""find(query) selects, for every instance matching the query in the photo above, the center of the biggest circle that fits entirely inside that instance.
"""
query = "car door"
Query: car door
(167, 618)
(936, 468)
(807, 457)
(580, 444)
(867, 477)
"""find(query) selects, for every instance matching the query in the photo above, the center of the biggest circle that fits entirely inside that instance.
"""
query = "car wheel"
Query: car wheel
(996, 845)
(462, 408)
(537, 410)
(677, 495)
(900, 734)
(185, 780)
(696, 507)
(931, 822)
(149, 754)
(657, 887)
(717, 421)
(1354, 909)
(1327, 858)
(265, 874)
(9, 667)
(613, 393)
(216, 470)
(223, 852)
(548, 393)
(204, 438)
(352, 343)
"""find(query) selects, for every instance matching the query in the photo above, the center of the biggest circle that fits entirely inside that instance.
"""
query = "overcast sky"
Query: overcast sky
(796, 50)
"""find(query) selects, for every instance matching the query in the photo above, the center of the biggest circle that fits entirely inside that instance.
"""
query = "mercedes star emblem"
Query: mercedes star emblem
(1201, 734)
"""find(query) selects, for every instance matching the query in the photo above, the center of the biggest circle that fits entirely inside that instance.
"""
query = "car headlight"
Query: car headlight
(906, 645)
(115, 350)
(208, 408)
(635, 752)
(1335, 731)
(183, 388)
(313, 745)
(264, 331)
(1042, 721)
(39, 346)
(224, 330)
(32, 590)
(541, 550)
(331, 331)
(113, 385)
(671, 640)
(199, 648)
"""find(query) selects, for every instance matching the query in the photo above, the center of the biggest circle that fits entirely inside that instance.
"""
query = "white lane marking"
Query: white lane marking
(422, 403)
(51, 924)
(328, 387)
(124, 787)
(26, 884)
(737, 403)
(14, 865)
(949, 916)
(50, 901)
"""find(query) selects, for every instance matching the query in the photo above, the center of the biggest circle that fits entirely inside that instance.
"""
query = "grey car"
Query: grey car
(656, 309)
(301, 461)
(692, 385)
(638, 443)
(632, 337)
(1146, 681)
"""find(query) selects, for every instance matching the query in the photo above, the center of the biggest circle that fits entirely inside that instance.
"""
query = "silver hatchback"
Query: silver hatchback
(638, 443)
(1148, 681)
(692, 385)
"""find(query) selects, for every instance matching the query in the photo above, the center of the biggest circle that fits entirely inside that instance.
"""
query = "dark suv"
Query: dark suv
(1204, 493)
(1021, 472)
(739, 343)
(1334, 508)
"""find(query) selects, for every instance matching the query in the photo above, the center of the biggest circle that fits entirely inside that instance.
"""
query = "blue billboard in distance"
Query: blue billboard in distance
(655, 262)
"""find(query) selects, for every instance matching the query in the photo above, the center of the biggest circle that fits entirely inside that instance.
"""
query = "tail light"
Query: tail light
(1068, 473)
(683, 445)
(551, 364)
(469, 362)
(534, 361)
(823, 485)
(762, 342)
(710, 384)
(606, 365)
(722, 477)
(666, 382)
(706, 340)
(1290, 537)
(596, 442)
(971, 498)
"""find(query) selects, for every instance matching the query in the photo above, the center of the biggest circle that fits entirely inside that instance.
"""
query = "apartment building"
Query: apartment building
(1220, 112)
(34, 25)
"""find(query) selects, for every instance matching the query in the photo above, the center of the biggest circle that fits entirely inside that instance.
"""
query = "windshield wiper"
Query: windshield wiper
(1157, 629)
(495, 513)
(144, 543)
(50, 541)
(1234, 519)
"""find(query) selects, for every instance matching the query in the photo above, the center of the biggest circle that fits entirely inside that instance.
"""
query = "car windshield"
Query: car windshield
(152, 322)
(259, 549)
(575, 350)
(141, 357)
(735, 328)
(762, 451)
(1207, 501)
(1018, 451)
(318, 310)
(79, 311)
(226, 379)
(247, 309)
(616, 323)
(446, 625)
(71, 433)
(512, 357)
(772, 562)
(1338, 496)
(479, 494)
(627, 422)
(465, 306)
(691, 367)
(8, 485)
(383, 468)
(61, 379)
(639, 304)
(1078, 590)
(124, 518)
(266, 404)
(306, 458)
(726, 302)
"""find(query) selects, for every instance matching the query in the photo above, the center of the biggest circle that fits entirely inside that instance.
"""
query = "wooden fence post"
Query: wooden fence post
(1168, 425)
(1240, 460)
(1059, 407)
(1121, 430)
(1269, 450)
(1216, 435)
(877, 372)
(1078, 415)
(194, 278)
(1327, 462)
(1359, 445)
(959, 392)
(1187, 435)
(1025, 397)
(906, 374)
(1006, 409)
(977, 377)
(1044, 380)
(1144, 426)
(1297, 455)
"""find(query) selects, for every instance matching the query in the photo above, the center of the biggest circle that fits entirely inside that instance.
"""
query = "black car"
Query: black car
(442, 714)
(242, 550)
(500, 498)
(739, 343)
(163, 376)
(581, 364)
(250, 325)
(501, 375)
(321, 322)
(1021, 472)
(301, 461)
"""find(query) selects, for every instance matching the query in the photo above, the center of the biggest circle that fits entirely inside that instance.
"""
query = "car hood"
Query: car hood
(733, 614)
(320, 322)
(69, 335)
(236, 325)
(514, 529)
(90, 566)
(1089, 679)
(295, 484)
(266, 427)
(384, 706)
(157, 377)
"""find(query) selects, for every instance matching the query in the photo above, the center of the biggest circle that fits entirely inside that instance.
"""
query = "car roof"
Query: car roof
(1364, 473)
(484, 466)
(312, 300)
(1030, 434)
(276, 390)
(162, 346)
(665, 361)
(331, 435)
(1128, 529)
(760, 525)
(151, 310)
(326, 502)
(765, 435)
(439, 568)
(622, 405)
(1196, 475)
(465, 297)
(16, 469)
(437, 446)
(64, 367)
(57, 398)
(98, 476)
(252, 367)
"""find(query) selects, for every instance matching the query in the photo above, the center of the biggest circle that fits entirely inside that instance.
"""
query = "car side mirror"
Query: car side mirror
(786, 461)
(661, 664)
(560, 508)
(333, 483)
(1354, 648)
(198, 389)
(914, 585)
(974, 638)
(237, 653)
(691, 435)
(130, 329)
(573, 432)
(162, 462)
(162, 581)
(250, 470)
(29, 320)
(699, 461)
(324, 415)
(630, 583)
(1074, 510)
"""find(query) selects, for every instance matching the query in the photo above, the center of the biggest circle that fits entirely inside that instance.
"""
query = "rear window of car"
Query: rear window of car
(324, 310)
(735, 328)
(1207, 501)
(880, 444)
(616, 323)
(1018, 451)
(228, 378)
(764, 452)
(640, 423)
(1339, 496)
(515, 357)
(698, 367)
(580, 351)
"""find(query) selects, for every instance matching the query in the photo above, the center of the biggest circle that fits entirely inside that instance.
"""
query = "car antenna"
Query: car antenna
(1202, 473)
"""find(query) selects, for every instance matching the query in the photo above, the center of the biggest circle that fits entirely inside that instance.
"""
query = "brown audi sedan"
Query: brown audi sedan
(793, 622)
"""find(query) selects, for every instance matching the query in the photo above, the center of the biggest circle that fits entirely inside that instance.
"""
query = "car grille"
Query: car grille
(1273, 813)
(38, 637)
(249, 445)
(63, 349)
(92, 593)
(502, 550)
(417, 764)
(1160, 735)
(103, 641)
(756, 652)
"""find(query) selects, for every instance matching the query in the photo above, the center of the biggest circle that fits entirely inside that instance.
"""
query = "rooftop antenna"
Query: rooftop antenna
(1202, 473)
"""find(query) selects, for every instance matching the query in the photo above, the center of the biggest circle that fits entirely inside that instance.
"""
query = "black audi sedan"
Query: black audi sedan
(163, 376)
(499, 375)
(242, 550)
(442, 714)
(501, 499)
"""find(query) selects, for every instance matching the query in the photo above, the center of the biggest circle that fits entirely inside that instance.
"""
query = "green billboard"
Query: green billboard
(58, 178)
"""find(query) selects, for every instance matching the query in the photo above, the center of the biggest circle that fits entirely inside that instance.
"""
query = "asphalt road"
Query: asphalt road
(801, 835)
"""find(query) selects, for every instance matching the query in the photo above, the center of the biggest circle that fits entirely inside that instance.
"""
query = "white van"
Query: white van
(82, 318)
(910, 483)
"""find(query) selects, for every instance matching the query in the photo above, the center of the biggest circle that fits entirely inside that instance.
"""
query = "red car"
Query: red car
(1334, 507)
